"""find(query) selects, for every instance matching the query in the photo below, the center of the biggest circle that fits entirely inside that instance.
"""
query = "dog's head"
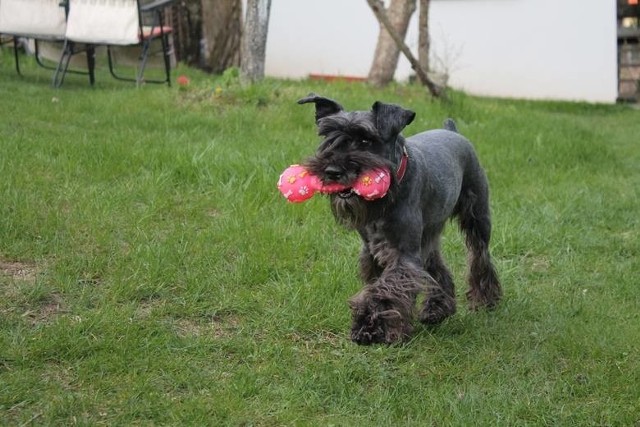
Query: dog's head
(355, 141)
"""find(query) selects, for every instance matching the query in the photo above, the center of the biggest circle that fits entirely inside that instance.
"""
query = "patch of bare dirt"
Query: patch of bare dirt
(18, 270)
(16, 278)
(218, 327)
(46, 310)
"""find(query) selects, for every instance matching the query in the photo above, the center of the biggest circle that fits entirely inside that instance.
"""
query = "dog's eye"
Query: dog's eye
(353, 165)
(365, 142)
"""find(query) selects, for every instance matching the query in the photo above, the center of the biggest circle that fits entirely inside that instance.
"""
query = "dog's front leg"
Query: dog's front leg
(383, 310)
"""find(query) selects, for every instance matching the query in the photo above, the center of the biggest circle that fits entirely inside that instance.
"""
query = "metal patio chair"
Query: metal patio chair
(114, 23)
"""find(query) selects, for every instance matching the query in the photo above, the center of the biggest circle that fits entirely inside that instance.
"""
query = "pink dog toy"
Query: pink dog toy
(298, 185)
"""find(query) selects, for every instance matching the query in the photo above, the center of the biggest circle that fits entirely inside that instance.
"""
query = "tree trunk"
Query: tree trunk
(423, 35)
(378, 9)
(186, 20)
(254, 40)
(385, 59)
(221, 29)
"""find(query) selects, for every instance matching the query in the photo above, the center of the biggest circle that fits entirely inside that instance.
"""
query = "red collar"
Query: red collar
(403, 164)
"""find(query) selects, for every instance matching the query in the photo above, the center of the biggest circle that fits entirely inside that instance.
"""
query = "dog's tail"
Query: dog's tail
(449, 124)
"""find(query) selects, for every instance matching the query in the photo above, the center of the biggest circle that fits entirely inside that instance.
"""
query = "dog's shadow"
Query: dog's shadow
(483, 326)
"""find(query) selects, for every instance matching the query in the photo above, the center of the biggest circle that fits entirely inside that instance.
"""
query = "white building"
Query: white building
(537, 49)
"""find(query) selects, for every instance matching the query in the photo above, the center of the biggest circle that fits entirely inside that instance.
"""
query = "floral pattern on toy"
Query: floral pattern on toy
(298, 185)
(373, 184)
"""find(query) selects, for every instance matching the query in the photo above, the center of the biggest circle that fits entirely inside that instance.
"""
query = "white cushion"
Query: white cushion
(43, 19)
(103, 21)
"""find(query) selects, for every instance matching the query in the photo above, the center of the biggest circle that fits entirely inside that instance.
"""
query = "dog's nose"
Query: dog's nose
(333, 172)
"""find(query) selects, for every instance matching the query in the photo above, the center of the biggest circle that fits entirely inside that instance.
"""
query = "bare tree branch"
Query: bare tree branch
(423, 35)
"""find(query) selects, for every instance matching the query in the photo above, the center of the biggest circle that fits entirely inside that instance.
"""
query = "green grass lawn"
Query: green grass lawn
(151, 273)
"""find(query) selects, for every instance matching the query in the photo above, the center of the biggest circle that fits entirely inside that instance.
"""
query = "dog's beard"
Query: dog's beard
(349, 210)
(353, 211)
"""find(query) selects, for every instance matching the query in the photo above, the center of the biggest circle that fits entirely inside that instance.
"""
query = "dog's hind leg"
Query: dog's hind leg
(475, 221)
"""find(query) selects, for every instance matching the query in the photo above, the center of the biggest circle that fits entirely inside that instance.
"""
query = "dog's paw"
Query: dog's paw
(486, 295)
(378, 328)
(477, 302)
(377, 323)
(435, 310)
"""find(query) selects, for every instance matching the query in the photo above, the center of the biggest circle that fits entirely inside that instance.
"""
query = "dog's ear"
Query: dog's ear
(391, 119)
(324, 106)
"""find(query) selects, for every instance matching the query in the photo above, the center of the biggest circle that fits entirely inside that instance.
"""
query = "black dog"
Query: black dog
(437, 177)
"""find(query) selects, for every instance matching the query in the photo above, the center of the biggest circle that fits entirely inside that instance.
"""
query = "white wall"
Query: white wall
(540, 49)
(530, 48)
(326, 37)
